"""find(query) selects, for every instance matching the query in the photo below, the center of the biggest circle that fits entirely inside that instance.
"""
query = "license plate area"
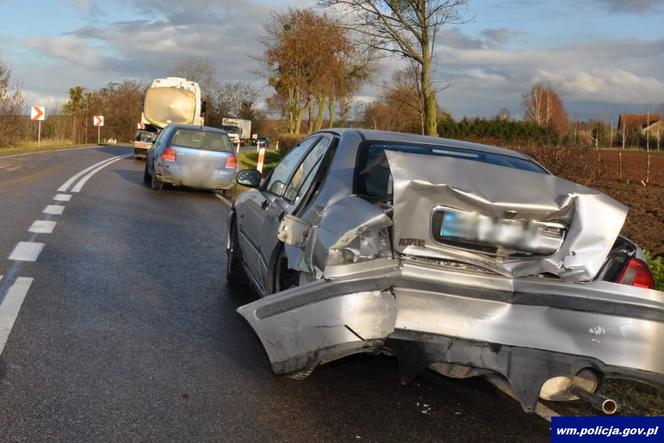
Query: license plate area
(496, 235)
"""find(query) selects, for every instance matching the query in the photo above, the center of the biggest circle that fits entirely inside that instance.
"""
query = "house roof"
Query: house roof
(637, 120)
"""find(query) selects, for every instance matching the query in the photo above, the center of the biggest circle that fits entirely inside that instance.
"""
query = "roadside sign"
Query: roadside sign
(98, 121)
(38, 113)
(261, 160)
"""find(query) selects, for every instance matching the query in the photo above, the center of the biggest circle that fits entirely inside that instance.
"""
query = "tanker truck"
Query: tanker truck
(167, 100)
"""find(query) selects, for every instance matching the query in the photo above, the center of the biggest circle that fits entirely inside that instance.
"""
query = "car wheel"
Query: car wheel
(284, 278)
(234, 271)
(155, 184)
(146, 175)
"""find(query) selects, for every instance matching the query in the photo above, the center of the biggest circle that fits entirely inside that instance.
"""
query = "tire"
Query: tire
(146, 175)
(234, 271)
(284, 278)
(155, 184)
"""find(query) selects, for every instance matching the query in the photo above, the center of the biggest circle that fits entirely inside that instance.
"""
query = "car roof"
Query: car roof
(401, 137)
(197, 128)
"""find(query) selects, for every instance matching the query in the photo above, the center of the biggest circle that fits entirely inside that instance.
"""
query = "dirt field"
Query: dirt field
(601, 170)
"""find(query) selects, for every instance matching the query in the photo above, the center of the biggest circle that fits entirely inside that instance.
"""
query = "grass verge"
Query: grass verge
(32, 147)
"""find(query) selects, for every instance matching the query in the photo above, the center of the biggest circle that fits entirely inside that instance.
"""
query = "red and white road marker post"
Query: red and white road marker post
(38, 114)
(98, 121)
(261, 160)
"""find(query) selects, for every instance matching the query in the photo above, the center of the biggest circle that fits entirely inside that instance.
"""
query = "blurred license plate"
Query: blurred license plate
(452, 226)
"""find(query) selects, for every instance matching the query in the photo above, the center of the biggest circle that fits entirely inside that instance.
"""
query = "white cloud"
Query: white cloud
(487, 70)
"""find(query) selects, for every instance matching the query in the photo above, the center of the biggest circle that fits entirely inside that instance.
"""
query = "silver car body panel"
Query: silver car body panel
(377, 305)
(422, 183)
(196, 168)
(430, 304)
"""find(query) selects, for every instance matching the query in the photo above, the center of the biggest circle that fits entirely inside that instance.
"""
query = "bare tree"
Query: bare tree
(544, 107)
(504, 114)
(232, 97)
(408, 28)
(200, 70)
(11, 107)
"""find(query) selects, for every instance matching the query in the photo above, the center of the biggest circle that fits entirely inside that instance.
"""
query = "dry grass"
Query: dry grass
(45, 145)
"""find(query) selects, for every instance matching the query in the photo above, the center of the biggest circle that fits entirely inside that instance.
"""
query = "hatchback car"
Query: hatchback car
(195, 156)
(463, 258)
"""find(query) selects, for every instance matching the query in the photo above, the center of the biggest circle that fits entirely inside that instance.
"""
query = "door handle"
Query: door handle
(265, 204)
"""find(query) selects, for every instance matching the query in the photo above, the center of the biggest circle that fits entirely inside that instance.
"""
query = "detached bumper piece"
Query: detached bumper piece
(526, 330)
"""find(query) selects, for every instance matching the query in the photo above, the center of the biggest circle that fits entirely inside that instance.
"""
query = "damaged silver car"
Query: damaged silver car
(466, 259)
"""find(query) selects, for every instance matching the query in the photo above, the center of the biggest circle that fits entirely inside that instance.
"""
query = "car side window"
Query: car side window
(306, 170)
(282, 172)
(160, 139)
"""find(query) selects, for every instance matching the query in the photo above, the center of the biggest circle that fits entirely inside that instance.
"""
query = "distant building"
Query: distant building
(655, 129)
(638, 122)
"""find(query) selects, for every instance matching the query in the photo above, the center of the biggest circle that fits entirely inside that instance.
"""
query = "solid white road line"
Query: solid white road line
(65, 186)
(42, 227)
(62, 197)
(226, 201)
(10, 307)
(85, 179)
(54, 210)
(26, 251)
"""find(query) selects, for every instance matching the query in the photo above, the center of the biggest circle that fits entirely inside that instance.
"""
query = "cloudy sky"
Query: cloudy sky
(603, 56)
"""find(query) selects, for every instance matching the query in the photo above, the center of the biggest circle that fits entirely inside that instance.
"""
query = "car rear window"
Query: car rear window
(207, 141)
(374, 177)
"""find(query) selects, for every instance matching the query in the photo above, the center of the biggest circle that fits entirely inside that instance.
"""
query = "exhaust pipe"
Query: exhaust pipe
(607, 405)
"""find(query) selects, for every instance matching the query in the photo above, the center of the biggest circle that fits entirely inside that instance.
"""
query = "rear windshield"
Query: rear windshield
(374, 178)
(231, 129)
(207, 141)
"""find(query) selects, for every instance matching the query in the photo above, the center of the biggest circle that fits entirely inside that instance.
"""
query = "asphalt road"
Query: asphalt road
(128, 332)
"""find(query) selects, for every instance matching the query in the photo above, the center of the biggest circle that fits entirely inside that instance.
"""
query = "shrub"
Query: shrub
(657, 268)
(249, 159)
(287, 141)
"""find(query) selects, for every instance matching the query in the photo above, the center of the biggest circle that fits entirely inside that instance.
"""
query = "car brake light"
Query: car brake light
(231, 162)
(637, 273)
(168, 154)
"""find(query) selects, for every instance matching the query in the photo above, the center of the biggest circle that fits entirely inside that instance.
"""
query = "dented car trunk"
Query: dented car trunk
(470, 269)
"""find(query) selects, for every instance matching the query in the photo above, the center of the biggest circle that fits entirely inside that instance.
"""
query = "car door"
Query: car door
(298, 182)
(252, 209)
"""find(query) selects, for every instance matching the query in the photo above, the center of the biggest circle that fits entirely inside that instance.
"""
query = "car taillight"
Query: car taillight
(231, 162)
(637, 273)
(168, 154)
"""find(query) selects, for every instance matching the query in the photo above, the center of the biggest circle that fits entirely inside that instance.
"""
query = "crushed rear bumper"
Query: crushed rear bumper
(527, 330)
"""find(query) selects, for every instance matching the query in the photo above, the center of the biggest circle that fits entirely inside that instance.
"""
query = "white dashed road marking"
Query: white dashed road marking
(13, 289)
(42, 226)
(10, 306)
(26, 251)
(62, 197)
(54, 209)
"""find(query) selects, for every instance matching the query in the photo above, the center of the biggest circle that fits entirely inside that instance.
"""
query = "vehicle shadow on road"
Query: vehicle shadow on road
(136, 178)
